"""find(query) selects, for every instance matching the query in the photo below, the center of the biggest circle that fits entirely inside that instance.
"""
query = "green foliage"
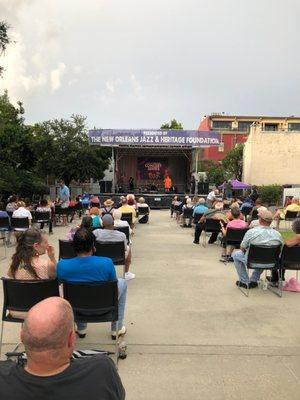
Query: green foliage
(233, 162)
(174, 124)
(270, 194)
(206, 165)
(216, 175)
(4, 39)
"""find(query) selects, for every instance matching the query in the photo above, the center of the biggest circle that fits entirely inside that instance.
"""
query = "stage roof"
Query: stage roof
(159, 138)
(153, 151)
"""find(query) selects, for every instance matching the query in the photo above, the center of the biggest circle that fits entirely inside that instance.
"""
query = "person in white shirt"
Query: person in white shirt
(118, 223)
(211, 198)
(143, 218)
(22, 212)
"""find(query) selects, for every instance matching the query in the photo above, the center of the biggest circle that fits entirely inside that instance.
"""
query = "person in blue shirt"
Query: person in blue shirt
(64, 198)
(87, 268)
(200, 208)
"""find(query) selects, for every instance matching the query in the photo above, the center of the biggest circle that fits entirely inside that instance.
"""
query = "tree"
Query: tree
(233, 162)
(63, 151)
(216, 175)
(4, 39)
(174, 124)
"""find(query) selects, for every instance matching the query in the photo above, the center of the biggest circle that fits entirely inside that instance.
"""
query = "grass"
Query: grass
(286, 234)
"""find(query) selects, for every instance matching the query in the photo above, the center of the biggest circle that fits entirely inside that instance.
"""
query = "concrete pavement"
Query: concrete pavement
(191, 333)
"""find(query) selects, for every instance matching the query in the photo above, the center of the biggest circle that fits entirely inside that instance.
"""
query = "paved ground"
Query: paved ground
(191, 333)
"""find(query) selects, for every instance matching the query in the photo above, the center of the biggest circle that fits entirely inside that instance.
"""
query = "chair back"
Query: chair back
(143, 210)
(212, 225)
(94, 302)
(254, 214)
(177, 207)
(235, 236)
(113, 250)
(197, 218)
(21, 295)
(265, 255)
(19, 223)
(123, 229)
(291, 215)
(66, 249)
(10, 213)
(127, 217)
(4, 223)
(290, 258)
(41, 216)
(188, 212)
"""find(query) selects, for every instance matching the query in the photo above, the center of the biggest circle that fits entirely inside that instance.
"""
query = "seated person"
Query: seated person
(177, 204)
(280, 214)
(12, 204)
(254, 212)
(86, 223)
(95, 214)
(200, 208)
(89, 268)
(215, 213)
(108, 207)
(45, 207)
(255, 222)
(262, 235)
(49, 340)
(108, 234)
(126, 209)
(229, 213)
(28, 262)
(212, 198)
(95, 202)
(3, 214)
(247, 204)
(143, 218)
(22, 212)
(235, 223)
(188, 205)
(131, 200)
(118, 222)
(293, 241)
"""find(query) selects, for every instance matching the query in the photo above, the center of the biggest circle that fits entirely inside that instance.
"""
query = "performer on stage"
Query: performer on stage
(194, 182)
(167, 183)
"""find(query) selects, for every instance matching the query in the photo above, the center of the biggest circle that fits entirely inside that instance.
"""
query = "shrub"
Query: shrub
(270, 194)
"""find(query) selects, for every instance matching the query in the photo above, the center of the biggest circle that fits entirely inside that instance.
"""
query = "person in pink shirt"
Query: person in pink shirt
(235, 223)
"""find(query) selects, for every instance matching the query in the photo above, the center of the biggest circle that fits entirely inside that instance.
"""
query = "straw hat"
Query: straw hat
(109, 203)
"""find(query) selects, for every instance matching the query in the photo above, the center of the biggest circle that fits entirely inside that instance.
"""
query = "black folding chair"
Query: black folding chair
(66, 249)
(188, 212)
(290, 260)
(125, 230)
(19, 224)
(290, 216)
(246, 211)
(143, 210)
(267, 256)
(113, 250)
(211, 226)
(234, 237)
(21, 295)
(4, 227)
(94, 303)
(42, 217)
(127, 217)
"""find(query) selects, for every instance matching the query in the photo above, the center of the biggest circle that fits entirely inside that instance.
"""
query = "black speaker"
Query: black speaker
(105, 186)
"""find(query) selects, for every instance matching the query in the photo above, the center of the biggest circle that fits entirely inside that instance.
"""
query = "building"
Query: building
(235, 130)
(272, 152)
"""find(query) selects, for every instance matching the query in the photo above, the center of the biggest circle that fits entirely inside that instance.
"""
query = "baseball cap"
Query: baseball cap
(266, 215)
(107, 220)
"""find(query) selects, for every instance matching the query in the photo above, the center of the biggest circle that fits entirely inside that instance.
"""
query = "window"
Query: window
(221, 147)
(271, 127)
(244, 126)
(224, 125)
(295, 126)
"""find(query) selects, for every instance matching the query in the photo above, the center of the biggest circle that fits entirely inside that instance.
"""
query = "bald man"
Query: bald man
(49, 339)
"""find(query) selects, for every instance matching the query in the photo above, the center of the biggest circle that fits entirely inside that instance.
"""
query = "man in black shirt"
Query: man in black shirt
(49, 339)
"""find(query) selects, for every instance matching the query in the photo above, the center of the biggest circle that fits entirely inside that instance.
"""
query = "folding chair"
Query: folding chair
(42, 217)
(143, 210)
(94, 303)
(290, 260)
(19, 224)
(211, 226)
(125, 230)
(4, 227)
(246, 211)
(263, 255)
(21, 295)
(290, 216)
(66, 249)
(234, 237)
(127, 217)
(113, 250)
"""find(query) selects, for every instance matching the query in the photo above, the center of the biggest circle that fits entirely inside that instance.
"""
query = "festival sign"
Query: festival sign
(152, 138)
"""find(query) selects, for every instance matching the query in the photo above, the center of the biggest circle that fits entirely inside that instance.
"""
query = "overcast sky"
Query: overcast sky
(138, 63)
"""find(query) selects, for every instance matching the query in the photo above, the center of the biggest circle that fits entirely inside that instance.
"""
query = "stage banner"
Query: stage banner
(152, 138)
(152, 168)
